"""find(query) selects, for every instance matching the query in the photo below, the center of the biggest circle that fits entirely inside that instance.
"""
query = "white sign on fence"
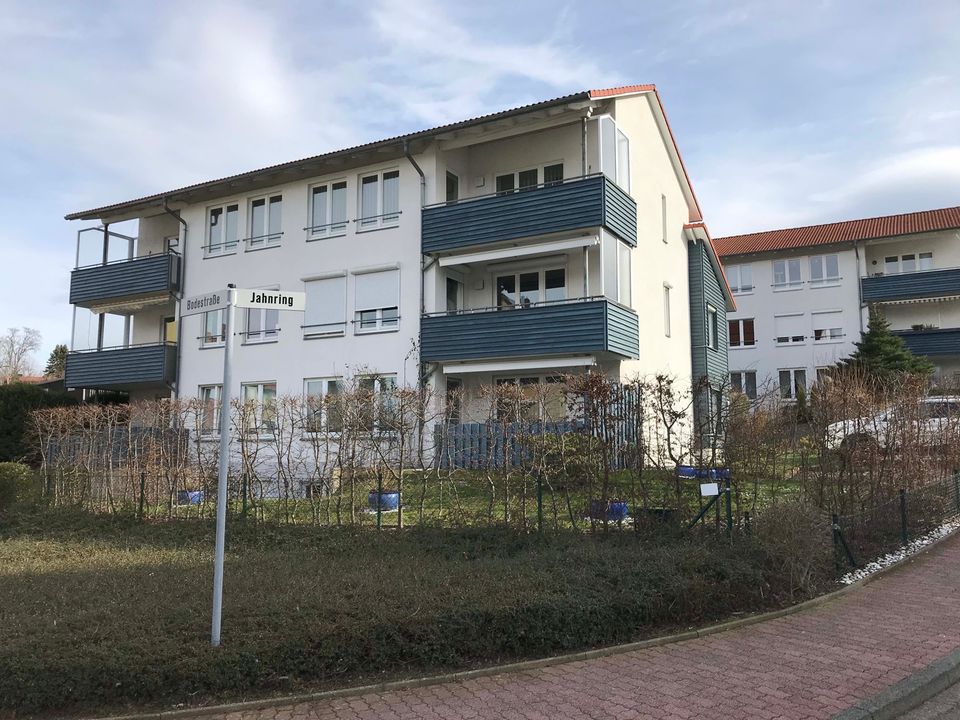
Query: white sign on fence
(207, 302)
(271, 299)
(709, 489)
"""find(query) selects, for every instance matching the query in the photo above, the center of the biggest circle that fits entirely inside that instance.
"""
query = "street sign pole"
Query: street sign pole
(224, 465)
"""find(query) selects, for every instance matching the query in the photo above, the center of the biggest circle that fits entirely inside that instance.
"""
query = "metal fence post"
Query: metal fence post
(379, 500)
(729, 508)
(903, 517)
(539, 503)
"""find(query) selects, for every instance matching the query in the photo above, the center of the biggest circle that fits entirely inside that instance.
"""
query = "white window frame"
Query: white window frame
(221, 249)
(531, 378)
(261, 385)
(824, 280)
(206, 393)
(380, 380)
(330, 229)
(366, 223)
(740, 322)
(382, 321)
(213, 341)
(517, 271)
(790, 339)
(918, 262)
(663, 218)
(268, 239)
(713, 328)
(621, 178)
(832, 337)
(265, 335)
(793, 382)
(921, 257)
(667, 324)
(736, 285)
(322, 407)
(788, 284)
(541, 177)
(335, 329)
(743, 383)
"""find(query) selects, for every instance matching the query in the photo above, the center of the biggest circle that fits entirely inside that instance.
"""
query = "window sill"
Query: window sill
(218, 346)
(741, 294)
(377, 331)
(360, 230)
(828, 342)
(261, 342)
(208, 256)
(261, 247)
(787, 288)
(795, 344)
(743, 347)
(332, 236)
(323, 336)
(831, 284)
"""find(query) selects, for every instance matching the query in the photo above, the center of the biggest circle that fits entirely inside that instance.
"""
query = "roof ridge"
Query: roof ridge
(839, 222)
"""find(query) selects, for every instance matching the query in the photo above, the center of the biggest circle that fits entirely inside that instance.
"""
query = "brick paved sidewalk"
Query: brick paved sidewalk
(809, 665)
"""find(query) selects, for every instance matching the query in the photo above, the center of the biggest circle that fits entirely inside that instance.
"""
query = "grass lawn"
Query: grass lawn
(100, 614)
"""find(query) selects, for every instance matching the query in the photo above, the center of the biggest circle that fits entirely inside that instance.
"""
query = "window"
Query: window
(454, 295)
(614, 152)
(553, 174)
(328, 210)
(712, 327)
(377, 301)
(506, 184)
(214, 328)
(380, 200)
(624, 293)
(222, 230)
(789, 329)
(530, 399)
(377, 398)
(523, 179)
(824, 270)
(827, 326)
(663, 218)
(666, 309)
(741, 333)
(740, 278)
(911, 262)
(535, 287)
(786, 275)
(323, 411)
(262, 325)
(325, 314)
(259, 407)
(454, 401)
(210, 409)
(824, 374)
(266, 217)
(792, 383)
(744, 381)
(453, 187)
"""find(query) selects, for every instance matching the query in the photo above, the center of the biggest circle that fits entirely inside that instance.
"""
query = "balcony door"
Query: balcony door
(527, 288)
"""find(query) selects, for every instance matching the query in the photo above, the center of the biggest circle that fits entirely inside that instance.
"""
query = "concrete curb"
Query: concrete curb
(909, 693)
(410, 683)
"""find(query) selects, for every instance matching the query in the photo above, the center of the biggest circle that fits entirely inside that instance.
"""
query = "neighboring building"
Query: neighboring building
(575, 214)
(803, 295)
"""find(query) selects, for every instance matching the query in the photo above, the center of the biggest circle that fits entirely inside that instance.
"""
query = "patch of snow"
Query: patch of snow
(912, 548)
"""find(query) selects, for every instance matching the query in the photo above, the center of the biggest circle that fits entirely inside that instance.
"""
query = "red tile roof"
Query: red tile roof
(622, 90)
(840, 232)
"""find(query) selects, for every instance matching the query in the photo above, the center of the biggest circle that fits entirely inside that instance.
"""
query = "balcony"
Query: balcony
(586, 325)
(939, 341)
(911, 286)
(122, 368)
(126, 285)
(577, 204)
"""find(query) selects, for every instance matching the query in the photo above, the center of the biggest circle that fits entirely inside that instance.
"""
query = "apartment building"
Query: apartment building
(803, 295)
(550, 238)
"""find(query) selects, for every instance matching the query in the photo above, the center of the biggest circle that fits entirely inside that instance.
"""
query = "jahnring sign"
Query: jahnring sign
(229, 300)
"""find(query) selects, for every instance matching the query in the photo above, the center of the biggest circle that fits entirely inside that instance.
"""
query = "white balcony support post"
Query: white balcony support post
(586, 271)
(603, 265)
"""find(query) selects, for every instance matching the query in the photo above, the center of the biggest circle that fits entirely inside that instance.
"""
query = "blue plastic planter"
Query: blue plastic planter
(616, 510)
(189, 497)
(388, 500)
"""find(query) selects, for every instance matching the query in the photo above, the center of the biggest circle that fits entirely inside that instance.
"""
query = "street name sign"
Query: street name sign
(270, 299)
(208, 302)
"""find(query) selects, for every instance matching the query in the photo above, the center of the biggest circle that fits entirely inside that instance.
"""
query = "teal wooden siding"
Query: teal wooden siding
(706, 290)
(578, 204)
(908, 286)
(943, 341)
(122, 368)
(567, 328)
(127, 279)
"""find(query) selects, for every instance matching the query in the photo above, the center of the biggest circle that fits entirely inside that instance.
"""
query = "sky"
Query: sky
(787, 113)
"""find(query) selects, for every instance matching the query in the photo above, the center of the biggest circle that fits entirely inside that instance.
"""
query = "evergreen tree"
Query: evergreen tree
(57, 362)
(880, 353)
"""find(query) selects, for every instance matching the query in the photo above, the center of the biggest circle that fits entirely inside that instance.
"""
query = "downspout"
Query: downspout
(856, 252)
(583, 142)
(179, 294)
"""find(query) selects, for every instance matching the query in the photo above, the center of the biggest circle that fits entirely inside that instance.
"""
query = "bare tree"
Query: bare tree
(16, 348)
